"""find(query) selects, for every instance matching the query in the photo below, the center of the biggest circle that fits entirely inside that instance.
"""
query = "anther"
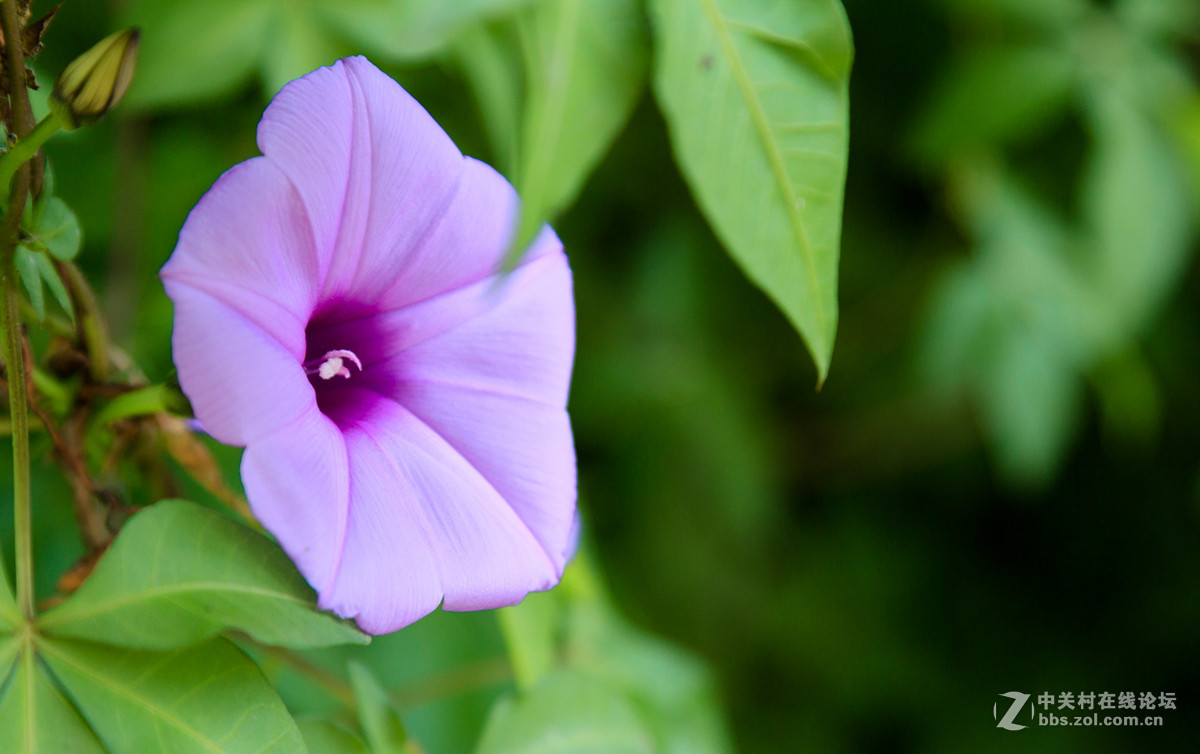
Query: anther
(332, 364)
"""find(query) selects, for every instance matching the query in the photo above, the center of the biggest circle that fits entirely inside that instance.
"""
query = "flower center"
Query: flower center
(332, 364)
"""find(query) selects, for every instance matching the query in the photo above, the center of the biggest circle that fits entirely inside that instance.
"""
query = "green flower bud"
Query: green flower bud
(96, 80)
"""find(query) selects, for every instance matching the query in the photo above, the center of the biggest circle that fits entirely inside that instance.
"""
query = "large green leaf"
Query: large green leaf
(755, 97)
(585, 65)
(34, 716)
(567, 712)
(207, 698)
(178, 573)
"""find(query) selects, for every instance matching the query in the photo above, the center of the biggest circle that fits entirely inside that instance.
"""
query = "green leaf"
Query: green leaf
(1052, 13)
(490, 57)
(574, 627)
(380, 723)
(10, 614)
(179, 572)
(324, 737)
(299, 43)
(52, 280)
(9, 647)
(568, 713)
(196, 51)
(672, 690)
(26, 262)
(531, 632)
(585, 67)
(1137, 204)
(35, 717)
(992, 98)
(755, 97)
(206, 698)
(408, 29)
(58, 229)
(1031, 400)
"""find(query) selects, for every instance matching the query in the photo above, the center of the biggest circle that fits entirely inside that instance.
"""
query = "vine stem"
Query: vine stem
(14, 353)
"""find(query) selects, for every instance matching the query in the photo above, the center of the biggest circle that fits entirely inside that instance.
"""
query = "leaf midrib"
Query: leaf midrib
(774, 158)
(52, 619)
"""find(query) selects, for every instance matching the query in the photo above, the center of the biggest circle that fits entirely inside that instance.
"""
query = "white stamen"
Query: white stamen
(333, 368)
(333, 364)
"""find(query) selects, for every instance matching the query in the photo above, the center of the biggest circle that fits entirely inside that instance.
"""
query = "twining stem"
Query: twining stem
(14, 353)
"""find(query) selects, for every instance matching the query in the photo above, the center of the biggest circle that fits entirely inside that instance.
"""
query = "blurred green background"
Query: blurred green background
(998, 487)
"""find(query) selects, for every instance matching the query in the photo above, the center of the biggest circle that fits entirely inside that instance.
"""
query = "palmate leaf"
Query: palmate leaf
(179, 573)
(34, 716)
(755, 97)
(207, 698)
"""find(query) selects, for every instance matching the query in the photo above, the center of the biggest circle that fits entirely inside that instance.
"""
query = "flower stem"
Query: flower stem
(25, 149)
(14, 353)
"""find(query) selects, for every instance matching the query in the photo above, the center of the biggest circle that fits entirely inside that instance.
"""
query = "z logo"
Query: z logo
(1006, 722)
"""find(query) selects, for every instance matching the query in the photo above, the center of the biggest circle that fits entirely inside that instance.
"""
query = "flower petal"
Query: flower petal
(297, 482)
(246, 242)
(430, 500)
(375, 171)
(531, 307)
(519, 341)
(467, 244)
(242, 380)
(494, 386)
(524, 450)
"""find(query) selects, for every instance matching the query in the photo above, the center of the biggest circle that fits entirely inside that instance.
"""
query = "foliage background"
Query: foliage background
(998, 486)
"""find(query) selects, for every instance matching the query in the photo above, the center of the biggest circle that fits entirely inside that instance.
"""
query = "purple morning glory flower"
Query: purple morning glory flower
(339, 313)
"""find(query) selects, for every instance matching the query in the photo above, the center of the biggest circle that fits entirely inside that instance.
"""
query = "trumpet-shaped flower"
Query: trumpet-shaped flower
(339, 312)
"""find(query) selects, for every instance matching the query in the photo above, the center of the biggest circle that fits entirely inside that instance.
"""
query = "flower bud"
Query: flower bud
(96, 80)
